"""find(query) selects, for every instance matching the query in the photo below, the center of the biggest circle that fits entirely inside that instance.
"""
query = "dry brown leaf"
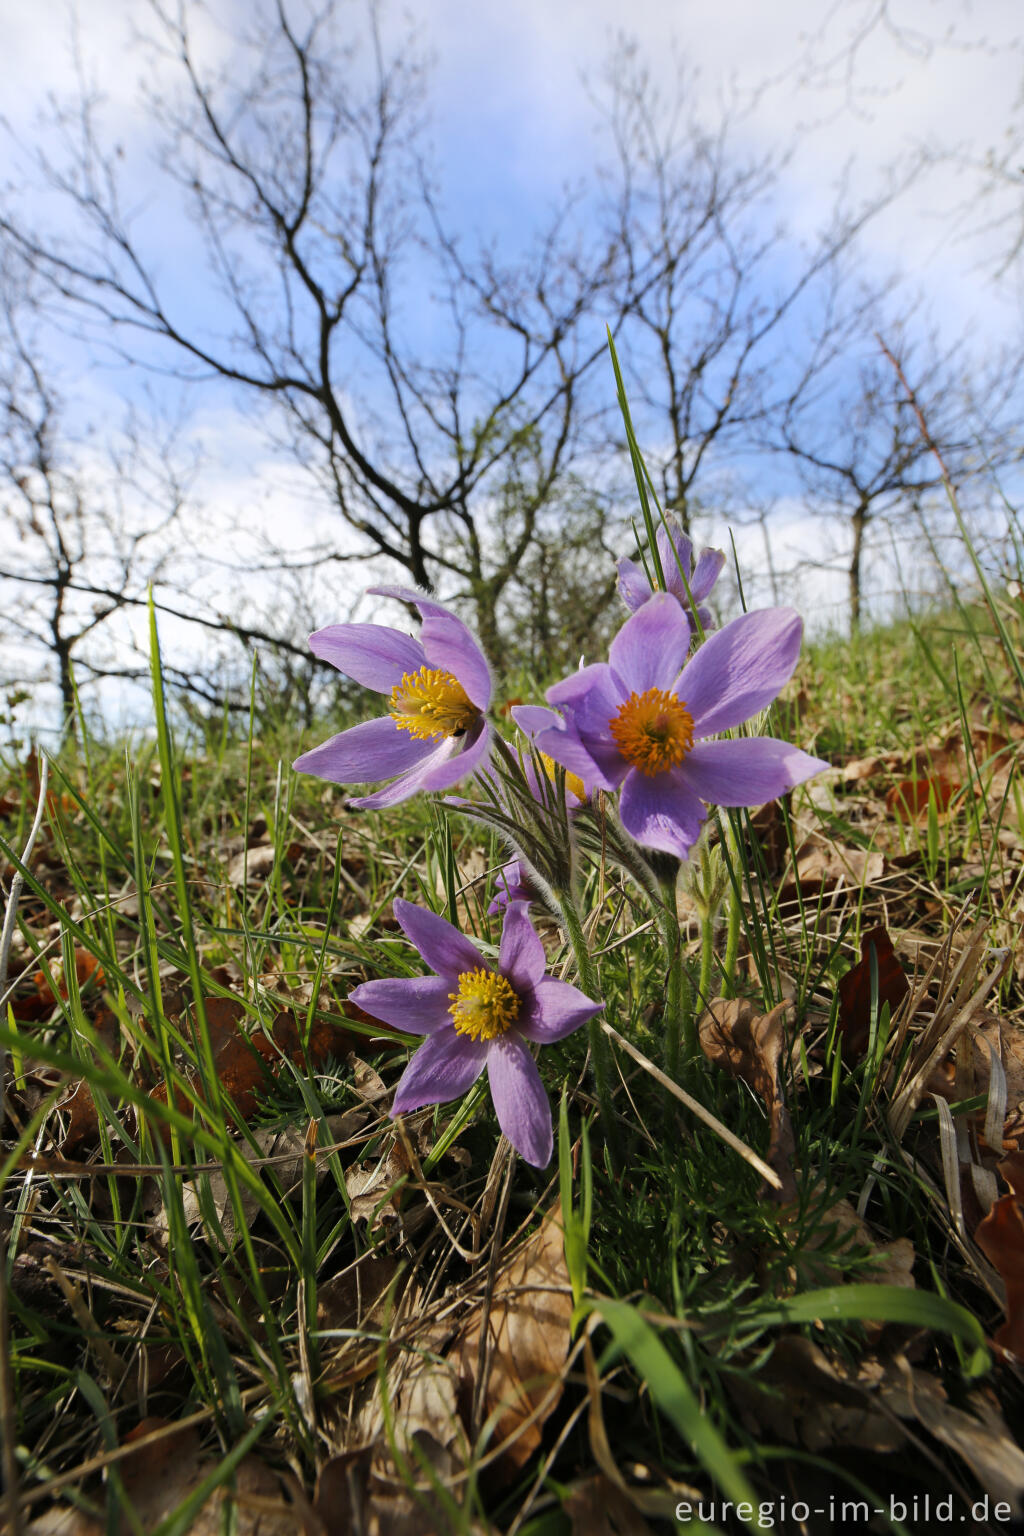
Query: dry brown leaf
(750, 1045)
(357, 1296)
(984, 1443)
(160, 1475)
(804, 1397)
(528, 1342)
(597, 1507)
(861, 768)
(888, 1264)
(1000, 1236)
(372, 1188)
(821, 864)
(910, 798)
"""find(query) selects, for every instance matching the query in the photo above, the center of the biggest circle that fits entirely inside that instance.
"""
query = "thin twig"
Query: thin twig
(695, 1108)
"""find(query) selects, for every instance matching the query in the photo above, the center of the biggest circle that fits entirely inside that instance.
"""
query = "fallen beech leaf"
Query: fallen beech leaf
(908, 800)
(889, 1263)
(984, 1442)
(357, 1296)
(822, 864)
(802, 1396)
(855, 992)
(750, 1045)
(372, 1188)
(1000, 1236)
(861, 768)
(528, 1339)
(87, 968)
(159, 1476)
(81, 1127)
(597, 1507)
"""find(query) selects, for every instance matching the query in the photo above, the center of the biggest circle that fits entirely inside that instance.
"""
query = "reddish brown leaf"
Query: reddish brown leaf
(1000, 1236)
(87, 968)
(908, 800)
(855, 992)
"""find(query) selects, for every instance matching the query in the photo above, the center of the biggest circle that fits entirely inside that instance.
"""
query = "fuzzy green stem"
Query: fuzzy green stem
(707, 960)
(590, 984)
(680, 1030)
(732, 942)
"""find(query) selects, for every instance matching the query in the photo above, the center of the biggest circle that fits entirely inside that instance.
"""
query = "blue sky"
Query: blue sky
(512, 126)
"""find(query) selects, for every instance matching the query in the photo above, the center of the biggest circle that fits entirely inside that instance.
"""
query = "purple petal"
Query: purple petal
(511, 884)
(474, 752)
(555, 1009)
(377, 749)
(661, 811)
(447, 643)
(443, 947)
(418, 1004)
(740, 669)
(634, 588)
(565, 747)
(410, 782)
(592, 695)
(532, 718)
(421, 600)
(651, 646)
(445, 1065)
(676, 552)
(372, 654)
(456, 758)
(706, 572)
(450, 645)
(522, 1107)
(521, 956)
(748, 771)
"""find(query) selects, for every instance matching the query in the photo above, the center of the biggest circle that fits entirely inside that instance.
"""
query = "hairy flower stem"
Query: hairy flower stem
(680, 1029)
(589, 981)
(707, 960)
(732, 944)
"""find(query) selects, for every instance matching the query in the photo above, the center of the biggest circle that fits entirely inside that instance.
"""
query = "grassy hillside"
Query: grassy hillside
(236, 1284)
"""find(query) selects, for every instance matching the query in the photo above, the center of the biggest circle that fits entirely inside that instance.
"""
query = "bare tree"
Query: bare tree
(858, 445)
(715, 288)
(88, 527)
(401, 370)
(76, 558)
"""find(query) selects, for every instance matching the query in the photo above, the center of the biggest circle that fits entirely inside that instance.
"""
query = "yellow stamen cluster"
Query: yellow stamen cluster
(485, 1006)
(431, 704)
(653, 730)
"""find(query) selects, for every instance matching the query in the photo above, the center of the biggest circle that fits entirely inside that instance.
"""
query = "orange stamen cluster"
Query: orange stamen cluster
(485, 1006)
(653, 730)
(431, 704)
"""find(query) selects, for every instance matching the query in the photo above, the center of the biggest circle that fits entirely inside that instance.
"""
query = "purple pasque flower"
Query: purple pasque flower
(641, 719)
(511, 883)
(676, 552)
(438, 688)
(476, 1015)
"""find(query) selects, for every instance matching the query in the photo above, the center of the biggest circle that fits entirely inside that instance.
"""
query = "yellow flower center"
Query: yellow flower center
(573, 782)
(485, 1006)
(653, 730)
(431, 704)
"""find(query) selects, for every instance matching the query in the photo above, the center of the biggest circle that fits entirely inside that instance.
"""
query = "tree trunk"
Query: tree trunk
(860, 522)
